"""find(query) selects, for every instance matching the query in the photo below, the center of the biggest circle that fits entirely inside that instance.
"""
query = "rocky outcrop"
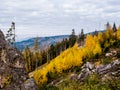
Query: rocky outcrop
(12, 67)
(112, 70)
(29, 85)
(109, 68)
(87, 70)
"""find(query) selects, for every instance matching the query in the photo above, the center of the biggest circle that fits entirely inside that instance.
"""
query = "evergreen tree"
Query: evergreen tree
(48, 53)
(108, 26)
(10, 36)
(44, 57)
(72, 38)
(52, 52)
(96, 32)
(114, 27)
(80, 39)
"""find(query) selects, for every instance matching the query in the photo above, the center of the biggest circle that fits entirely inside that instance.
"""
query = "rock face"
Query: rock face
(112, 69)
(29, 85)
(12, 67)
(87, 70)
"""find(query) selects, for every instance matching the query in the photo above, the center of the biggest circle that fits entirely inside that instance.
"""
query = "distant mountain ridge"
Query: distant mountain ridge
(43, 42)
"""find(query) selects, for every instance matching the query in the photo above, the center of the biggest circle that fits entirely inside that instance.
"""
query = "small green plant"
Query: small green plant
(7, 80)
(69, 85)
(106, 60)
(51, 76)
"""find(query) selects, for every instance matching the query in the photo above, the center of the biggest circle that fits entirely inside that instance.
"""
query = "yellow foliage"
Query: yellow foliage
(92, 46)
(118, 33)
(97, 63)
(6, 80)
(97, 49)
(40, 76)
(100, 37)
(89, 41)
(66, 60)
(71, 57)
(108, 34)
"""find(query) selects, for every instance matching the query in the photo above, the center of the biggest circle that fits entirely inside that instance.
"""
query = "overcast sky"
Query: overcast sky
(56, 17)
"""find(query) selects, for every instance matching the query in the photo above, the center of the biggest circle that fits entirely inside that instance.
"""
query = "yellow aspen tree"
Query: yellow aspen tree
(118, 33)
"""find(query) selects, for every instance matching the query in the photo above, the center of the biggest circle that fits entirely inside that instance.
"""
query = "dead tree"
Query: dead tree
(11, 36)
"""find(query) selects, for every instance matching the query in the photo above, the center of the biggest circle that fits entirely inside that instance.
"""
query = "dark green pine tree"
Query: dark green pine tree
(81, 37)
(44, 57)
(114, 27)
(72, 38)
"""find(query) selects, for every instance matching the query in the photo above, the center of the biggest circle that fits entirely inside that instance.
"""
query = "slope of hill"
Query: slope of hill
(43, 42)
(100, 55)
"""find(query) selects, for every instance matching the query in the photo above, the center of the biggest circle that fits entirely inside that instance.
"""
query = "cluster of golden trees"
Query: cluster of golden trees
(36, 57)
(74, 56)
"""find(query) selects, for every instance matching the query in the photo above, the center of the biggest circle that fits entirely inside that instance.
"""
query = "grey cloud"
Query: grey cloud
(58, 15)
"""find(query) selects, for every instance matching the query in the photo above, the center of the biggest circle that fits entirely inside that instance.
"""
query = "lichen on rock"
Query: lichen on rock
(13, 73)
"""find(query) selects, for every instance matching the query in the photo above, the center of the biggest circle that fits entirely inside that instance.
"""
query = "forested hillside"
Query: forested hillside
(60, 45)
(93, 50)
(36, 57)
(43, 42)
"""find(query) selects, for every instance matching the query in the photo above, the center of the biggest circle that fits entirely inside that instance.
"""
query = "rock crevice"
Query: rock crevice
(13, 73)
(112, 69)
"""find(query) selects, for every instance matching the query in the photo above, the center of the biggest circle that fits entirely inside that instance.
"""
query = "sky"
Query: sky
(57, 17)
